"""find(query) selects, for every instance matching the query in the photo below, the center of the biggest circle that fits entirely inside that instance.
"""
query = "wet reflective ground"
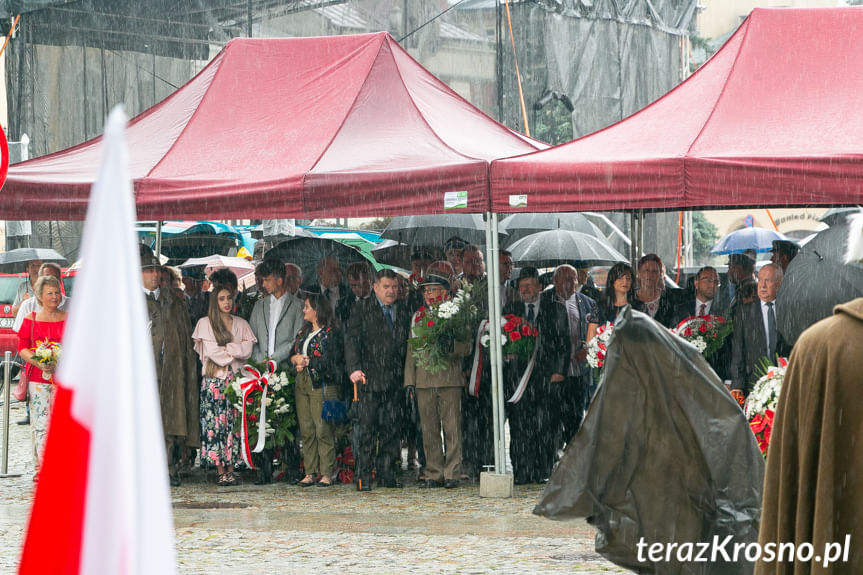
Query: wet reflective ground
(282, 528)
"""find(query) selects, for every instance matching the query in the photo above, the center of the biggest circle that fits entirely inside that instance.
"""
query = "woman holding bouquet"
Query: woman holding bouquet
(39, 346)
(319, 360)
(223, 342)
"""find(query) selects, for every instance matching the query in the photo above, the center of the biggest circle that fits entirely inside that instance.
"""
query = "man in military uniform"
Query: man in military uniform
(171, 334)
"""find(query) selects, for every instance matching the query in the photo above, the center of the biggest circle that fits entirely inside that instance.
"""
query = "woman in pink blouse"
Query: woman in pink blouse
(224, 342)
(45, 325)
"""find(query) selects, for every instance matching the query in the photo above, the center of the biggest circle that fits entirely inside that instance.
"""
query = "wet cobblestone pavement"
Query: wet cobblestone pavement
(282, 528)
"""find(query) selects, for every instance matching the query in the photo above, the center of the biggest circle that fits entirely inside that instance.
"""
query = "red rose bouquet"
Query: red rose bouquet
(706, 332)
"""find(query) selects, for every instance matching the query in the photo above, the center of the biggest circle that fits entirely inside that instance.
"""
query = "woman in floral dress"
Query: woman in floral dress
(223, 342)
(44, 326)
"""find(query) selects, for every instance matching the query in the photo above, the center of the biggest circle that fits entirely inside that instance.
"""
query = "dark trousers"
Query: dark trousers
(477, 429)
(572, 400)
(376, 433)
(533, 423)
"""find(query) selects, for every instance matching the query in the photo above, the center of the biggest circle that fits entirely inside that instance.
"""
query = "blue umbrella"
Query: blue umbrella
(739, 241)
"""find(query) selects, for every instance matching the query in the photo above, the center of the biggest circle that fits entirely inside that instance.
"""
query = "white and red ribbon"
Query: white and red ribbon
(476, 369)
(257, 382)
(525, 377)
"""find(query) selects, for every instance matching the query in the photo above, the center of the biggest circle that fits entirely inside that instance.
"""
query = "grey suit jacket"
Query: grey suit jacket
(289, 323)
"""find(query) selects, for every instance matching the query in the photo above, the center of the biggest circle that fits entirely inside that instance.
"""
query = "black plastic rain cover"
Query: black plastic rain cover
(664, 454)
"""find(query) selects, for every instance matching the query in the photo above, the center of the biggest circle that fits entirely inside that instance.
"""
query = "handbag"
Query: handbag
(20, 391)
(334, 410)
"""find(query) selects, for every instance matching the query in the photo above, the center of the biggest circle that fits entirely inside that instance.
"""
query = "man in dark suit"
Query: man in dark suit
(586, 285)
(375, 350)
(330, 284)
(755, 335)
(582, 317)
(703, 300)
(531, 420)
(740, 267)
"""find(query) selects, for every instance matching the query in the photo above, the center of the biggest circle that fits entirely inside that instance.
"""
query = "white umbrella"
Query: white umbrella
(240, 266)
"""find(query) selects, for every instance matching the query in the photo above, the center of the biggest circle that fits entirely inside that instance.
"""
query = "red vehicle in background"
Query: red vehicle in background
(8, 288)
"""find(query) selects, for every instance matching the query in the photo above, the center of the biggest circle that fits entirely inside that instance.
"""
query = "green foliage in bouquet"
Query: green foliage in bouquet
(281, 413)
(436, 327)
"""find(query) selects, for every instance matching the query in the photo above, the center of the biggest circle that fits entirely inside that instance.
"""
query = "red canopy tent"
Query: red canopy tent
(772, 119)
(300, 127)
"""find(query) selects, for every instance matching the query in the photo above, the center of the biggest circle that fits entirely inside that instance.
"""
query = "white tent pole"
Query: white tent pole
(494, 315)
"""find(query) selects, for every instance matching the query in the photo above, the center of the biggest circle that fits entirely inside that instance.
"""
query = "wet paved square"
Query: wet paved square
(282, 528)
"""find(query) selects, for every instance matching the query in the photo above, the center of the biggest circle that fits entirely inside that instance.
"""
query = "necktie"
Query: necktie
(388, 313)
(530, 314)
(771, 331)
(151, 296)
(703, 309)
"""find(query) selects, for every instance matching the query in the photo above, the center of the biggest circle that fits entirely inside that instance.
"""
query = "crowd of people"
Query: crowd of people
(349, 339)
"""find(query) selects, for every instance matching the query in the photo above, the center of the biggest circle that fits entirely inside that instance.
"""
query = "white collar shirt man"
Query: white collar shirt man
(155, 293)
(699, 310)
(276, 305)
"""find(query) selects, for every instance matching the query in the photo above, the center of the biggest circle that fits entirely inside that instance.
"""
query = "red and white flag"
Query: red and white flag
(102, 505)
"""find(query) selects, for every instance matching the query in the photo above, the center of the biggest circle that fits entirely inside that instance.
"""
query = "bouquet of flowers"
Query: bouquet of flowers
(706, 332)
(597, 348)
(47, 352)
(518, 337)
(281, 417)
(436, 326)
(762, 401)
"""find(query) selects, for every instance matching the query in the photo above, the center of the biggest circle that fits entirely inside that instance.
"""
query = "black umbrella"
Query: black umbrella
(434, 231)
(522, 225)
(393, 253)
(812, 285)
(830, 243)
(307, 252)
(15, 261)
(555, 247)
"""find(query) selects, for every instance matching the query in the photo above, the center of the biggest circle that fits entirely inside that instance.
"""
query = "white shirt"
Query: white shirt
(308, 340)
(764, 319)
(29, 306)
(155, 293)
(707, 305)
(276, 306)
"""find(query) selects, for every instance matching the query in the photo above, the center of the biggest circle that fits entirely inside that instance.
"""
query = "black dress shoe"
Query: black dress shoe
(263, 480)
(25, 421)
(392, 483)
(451, 483)
(174, 479)
(521, 481)
(430, 483)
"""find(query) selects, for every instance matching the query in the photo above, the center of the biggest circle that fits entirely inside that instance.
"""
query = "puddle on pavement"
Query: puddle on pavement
(209, 505)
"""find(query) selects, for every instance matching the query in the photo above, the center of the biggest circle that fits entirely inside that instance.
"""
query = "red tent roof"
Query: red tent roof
(300, 127)
(773, 119)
